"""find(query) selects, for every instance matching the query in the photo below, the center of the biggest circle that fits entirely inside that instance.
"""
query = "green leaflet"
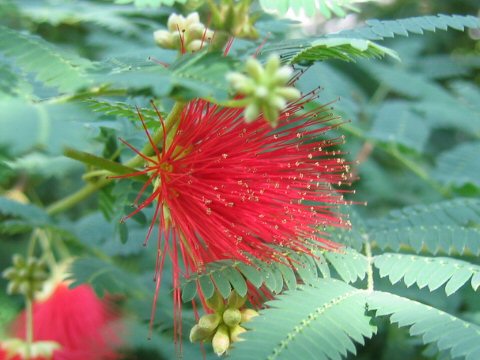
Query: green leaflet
(351, 44)
(275, 276)
(197, 75)
(349, 264)
(395, 122)
(124, 110)
(450, 226)
(460, 338)
(432, 272)
(28, 212)
(317, 49)
(378, 30)
(459, 166)
(104, 277)
(44, 122)
(313, 322)
(326, 8)
(67, 72)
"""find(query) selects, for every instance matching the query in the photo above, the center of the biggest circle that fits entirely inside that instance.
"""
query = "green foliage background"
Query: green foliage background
(71, 74)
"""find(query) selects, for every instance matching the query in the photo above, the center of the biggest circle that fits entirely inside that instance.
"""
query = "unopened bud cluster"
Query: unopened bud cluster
(184, 33)
(224, 326)
(26, 276)
(234, 18)
(266, 88)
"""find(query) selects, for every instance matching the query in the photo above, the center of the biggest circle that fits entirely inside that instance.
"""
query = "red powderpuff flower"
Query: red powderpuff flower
(227, 189)
(83, 325)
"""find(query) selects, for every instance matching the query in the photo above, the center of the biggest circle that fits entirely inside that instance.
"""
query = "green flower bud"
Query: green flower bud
(209, 322)
(272, 66)
(251, 113)
(216, 302)
(194, 45)
(271, 114)
(18, 260)
(232, 317)
(175, 22)
(265, 89)
(25, 276)
(236, 301)
(197, 333)
(221, 340)
(187, 31)
(289, 93)
(235, 333)
(255, 69)
(164, 39)
(247, 315)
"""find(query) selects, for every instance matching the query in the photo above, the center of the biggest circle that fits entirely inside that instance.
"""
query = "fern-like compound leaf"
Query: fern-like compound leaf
(318, 49)
(448, 333)
(349, 264)
(448, 226)
(431, 272)
(316, 322)
(459, 166)
(55, 68)
(378, 29)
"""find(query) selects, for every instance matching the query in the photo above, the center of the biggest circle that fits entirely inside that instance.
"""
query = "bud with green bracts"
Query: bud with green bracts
(221, 340)
(266, 89)
(232, 317)
(216, 302)
(25, 276)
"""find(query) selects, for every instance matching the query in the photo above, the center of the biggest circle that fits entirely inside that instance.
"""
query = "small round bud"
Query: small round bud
(197, 333)
(235, 333)
(247, 315)
(232, 317)
(175, 22)
(221, 340)
(209, 322)
(194, 45)
(164, 39)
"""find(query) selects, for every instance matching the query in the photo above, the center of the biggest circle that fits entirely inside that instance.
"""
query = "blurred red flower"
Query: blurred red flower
(83, 325)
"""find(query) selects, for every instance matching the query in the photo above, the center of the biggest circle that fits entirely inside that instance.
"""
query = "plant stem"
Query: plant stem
(75, 198)
(417, 170)
(368, 253)
(29, 327)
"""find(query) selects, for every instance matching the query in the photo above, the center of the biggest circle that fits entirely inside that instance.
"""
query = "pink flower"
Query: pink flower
(80, 323)
(227, 189)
